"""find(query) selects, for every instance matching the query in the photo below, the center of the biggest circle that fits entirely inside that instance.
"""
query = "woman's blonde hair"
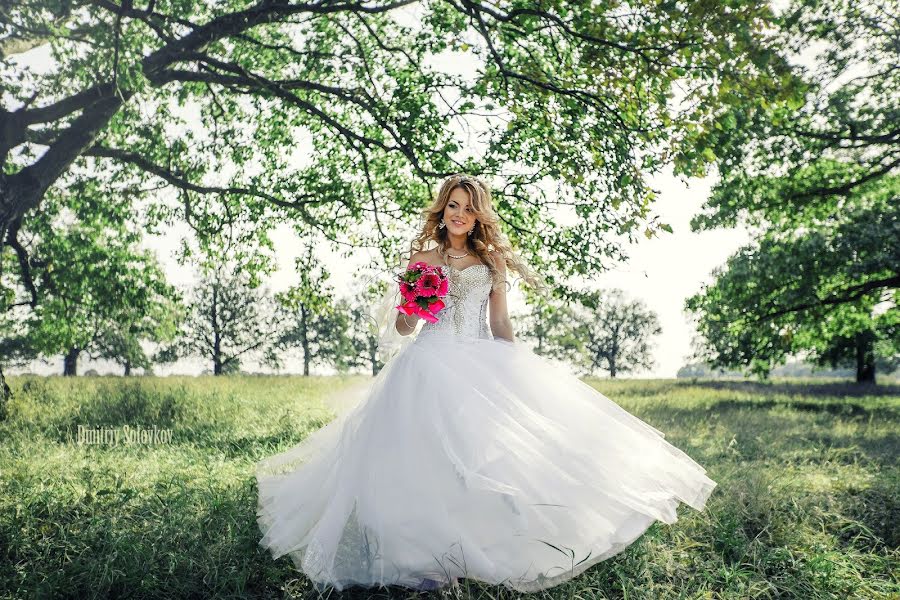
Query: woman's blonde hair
(485, 237)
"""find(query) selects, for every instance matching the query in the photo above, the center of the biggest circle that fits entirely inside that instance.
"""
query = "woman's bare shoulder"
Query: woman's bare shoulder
(427, 256)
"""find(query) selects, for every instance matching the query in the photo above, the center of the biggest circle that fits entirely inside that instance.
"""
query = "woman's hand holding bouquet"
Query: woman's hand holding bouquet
(422, 286)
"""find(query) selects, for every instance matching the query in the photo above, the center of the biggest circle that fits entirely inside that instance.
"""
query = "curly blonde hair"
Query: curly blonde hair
(486, 238)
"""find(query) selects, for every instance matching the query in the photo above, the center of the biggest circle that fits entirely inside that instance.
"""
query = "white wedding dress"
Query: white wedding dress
(471, 457)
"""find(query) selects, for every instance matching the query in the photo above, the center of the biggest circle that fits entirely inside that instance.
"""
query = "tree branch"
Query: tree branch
(848, 295)
(891, 137)
(842, 190)
(254, 84)
(80, 101)
(24, 263)
(33, 181)
(172, 178)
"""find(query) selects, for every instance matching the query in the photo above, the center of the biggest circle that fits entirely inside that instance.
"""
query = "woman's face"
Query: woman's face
(459, 216)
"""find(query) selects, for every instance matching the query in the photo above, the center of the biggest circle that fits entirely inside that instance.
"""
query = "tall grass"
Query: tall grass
(807, 504)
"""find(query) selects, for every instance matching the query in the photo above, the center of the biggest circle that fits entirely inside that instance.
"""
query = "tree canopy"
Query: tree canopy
(337, 117)
(819, 180)
(581, 96)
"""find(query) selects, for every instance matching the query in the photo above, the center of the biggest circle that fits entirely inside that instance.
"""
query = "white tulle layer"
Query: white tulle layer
(471, 458)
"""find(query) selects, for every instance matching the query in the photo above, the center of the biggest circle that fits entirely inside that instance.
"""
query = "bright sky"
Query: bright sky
(662, 272)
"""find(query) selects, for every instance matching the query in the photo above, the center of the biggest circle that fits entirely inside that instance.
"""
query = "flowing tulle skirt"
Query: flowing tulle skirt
(471, 458)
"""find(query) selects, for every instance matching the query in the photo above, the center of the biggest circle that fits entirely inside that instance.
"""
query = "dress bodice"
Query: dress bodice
(465, 305)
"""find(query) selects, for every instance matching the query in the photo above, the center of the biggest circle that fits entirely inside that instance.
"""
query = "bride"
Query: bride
(470, 456)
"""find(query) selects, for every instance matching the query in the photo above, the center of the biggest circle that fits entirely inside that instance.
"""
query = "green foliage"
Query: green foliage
(340, 123)
(95, 290)
(817, 178)
(603, 331)
(547, 324)
(314, 322)
(360, 348)
(794, 164)
(121, 345)
(227, 319)
(816, 291)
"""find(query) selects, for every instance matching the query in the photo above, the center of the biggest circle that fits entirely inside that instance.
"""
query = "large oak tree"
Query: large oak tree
(582, 98)
(819, 181)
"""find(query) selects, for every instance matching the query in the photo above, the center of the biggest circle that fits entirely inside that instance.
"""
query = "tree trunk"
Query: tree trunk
(127, 368)
(217, 339)
(5, 395)
(304, 333)
(614, 353)
(865, 358)
(70, 362)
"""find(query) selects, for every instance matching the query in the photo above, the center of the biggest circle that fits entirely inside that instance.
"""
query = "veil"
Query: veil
(390, 341)
(382, 313)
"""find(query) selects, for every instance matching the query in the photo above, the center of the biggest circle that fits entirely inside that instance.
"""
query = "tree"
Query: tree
(365, 341)
(315, 325)
(121, 346)
(818, 179)
(89, 277)
(792, 164)
(363, 335)
(584, 90)
(814, 291)
(612, 333)
(701, 369)
(357, 345)
(228, 319)
(548, 325)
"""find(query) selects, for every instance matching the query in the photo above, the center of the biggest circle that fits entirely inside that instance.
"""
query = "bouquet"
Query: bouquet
(422, 286)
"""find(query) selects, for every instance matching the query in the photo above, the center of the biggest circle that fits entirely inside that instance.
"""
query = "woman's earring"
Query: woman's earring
(471, 230)
(442, 225)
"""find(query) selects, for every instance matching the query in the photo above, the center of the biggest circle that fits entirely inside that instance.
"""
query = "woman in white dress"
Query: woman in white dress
(470, 455)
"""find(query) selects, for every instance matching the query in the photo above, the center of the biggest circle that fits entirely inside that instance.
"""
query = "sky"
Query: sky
(662, 272)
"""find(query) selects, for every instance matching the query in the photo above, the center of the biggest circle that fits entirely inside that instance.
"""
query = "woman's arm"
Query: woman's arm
(501, 326)
(406, 324)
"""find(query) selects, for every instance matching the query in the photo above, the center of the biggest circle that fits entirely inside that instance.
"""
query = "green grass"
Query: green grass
(807, 506)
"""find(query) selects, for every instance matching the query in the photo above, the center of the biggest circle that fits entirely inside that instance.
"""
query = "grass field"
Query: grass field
(807, 506)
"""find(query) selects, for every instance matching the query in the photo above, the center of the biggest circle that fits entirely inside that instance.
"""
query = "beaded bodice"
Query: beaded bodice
(465, 305)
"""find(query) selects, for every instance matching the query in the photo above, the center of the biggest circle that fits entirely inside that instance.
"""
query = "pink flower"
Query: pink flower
(407, 291)
(428, 284)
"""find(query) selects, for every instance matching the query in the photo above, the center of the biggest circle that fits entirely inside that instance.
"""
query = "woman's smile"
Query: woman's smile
(458, 211)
